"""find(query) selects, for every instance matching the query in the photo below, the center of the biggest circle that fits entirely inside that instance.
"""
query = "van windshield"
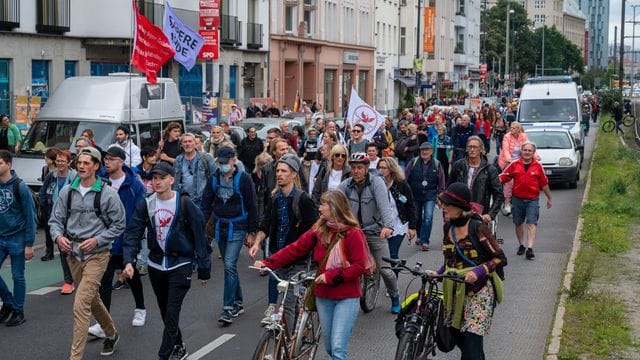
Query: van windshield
(61, 134)
(548, 110)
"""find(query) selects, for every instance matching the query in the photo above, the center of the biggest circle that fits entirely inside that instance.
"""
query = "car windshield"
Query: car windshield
(548, 110)
(550, 139)
(61, 134)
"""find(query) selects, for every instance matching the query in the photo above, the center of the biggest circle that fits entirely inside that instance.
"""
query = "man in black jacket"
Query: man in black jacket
(290, 213)
(481, 178)
(175, 239)
(250, 148)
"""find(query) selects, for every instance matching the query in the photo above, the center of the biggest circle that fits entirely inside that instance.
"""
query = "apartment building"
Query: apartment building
(466, 53)
(573, 24)
(322, 49)
(597, 14)
(391, 43)
(438, 64)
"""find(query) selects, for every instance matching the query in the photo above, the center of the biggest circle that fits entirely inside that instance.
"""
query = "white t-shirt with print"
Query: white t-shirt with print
(117, 183)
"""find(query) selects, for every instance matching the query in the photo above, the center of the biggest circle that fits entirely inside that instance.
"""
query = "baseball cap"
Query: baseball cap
(93, 152)
(162, 168)
(291, 160)
(426, 145)
(117, 151)
(225, 154)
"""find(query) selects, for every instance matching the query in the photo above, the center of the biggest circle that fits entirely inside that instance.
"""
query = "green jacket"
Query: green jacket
(13, 135)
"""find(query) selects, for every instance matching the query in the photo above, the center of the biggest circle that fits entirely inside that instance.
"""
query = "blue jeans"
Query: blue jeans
(230, 251)
(394, 245)
(337, 318)
(424, 215)
(14, 247)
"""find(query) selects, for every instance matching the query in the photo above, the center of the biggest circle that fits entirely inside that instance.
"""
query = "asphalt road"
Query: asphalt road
(520, 326)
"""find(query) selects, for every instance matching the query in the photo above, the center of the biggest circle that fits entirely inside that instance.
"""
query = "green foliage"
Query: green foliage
(407, 102)
(583, 273)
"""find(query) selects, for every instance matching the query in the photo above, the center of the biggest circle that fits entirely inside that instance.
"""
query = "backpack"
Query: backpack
(436, 162)
(215, 184)
(96, 207)
(18, 197)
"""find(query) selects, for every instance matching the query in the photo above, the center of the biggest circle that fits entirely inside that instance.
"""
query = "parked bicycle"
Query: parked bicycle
(417, 323)
(276, 343)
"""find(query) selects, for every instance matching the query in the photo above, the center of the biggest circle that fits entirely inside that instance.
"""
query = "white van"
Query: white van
(99, 103)
(551, 101)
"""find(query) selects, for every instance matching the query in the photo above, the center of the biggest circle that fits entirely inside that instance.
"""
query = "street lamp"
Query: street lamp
(506, 45)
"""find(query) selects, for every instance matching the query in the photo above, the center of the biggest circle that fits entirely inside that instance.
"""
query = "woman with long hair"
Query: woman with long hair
(338, 245)
(499, 130)
(336, 171)
(511, 144)
(170, 144)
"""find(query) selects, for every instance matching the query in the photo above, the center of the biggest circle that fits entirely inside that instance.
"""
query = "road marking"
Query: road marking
(211, 346)
(44, 290)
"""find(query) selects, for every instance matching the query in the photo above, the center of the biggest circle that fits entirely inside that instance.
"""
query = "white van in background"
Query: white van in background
(551, 101)
(99, 103)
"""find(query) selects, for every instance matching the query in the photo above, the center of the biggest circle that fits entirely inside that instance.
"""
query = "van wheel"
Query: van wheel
(574, 184)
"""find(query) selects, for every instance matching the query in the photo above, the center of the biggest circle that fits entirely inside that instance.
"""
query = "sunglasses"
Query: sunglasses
(356, 131)
(344, 156)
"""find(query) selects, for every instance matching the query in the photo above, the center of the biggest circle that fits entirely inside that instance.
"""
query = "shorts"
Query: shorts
(525, 209)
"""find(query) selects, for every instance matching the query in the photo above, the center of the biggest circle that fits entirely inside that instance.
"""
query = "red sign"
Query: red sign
(428, 43)
(210, 50)
(151, 47)
(209, 13)
(483, 72)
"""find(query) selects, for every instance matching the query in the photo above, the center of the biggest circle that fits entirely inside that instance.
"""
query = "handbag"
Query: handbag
(445, 333)
(309, 296)
(370, 261)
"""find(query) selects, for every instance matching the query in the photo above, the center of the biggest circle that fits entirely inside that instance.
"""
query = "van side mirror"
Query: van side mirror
(580, 147)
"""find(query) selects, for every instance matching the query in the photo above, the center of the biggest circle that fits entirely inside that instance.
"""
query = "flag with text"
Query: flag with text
(185, 41)
(151, 48)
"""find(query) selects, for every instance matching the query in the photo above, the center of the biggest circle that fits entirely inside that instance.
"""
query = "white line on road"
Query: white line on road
(44, 290)
(211, 346)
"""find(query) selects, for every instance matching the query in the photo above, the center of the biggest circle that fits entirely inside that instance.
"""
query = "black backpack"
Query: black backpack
(96, 207)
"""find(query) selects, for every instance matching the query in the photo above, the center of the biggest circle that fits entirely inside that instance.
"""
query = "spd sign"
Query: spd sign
(210, 50)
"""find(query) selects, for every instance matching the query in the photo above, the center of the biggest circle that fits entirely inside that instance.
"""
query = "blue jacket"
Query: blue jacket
(200, 175)
(213, 205)
(131, 193)
(181, 245)
(17, 219)
(49, 192)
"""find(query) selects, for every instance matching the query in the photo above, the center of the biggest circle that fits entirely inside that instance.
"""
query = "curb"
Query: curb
(558, 322)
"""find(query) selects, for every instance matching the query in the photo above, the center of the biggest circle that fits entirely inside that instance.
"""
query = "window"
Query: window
(362, 84)
(5, 86)
(309, 19)
(149, 134)
(403, 2)
(459, 41)
(539, 4)
(53, 16)
(70, 68)
(290, 18)
(539, 19)
(329, 85)
(104, 69)
(61, 134)
(40, 79)
(403, 41)
(460, 10)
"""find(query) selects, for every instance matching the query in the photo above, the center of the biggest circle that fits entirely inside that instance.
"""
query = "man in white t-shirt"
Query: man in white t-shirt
(131, 150)
(372, 152)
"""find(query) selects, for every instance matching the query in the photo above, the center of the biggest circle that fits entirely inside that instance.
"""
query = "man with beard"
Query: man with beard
(250, 147)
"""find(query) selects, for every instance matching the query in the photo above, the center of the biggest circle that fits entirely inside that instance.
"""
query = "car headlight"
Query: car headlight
(565, 161)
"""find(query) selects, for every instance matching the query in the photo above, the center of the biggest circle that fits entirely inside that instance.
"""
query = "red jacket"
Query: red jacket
(341, 283)
(526, 184)
(487, 127)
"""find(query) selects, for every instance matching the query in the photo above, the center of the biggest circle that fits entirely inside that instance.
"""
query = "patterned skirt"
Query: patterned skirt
(478, 311)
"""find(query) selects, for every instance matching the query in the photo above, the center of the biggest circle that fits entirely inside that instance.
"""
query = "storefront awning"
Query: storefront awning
(408, 81)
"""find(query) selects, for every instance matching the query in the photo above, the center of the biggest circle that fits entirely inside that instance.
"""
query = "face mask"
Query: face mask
(225, 168)
(122, 143)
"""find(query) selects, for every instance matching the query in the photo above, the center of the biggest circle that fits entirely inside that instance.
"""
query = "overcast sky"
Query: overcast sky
(615, 6)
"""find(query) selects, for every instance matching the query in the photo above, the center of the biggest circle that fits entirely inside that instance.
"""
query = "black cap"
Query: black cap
(458, 195)
(426, 145)
(162, 168)
(225, 154)
(117, 151)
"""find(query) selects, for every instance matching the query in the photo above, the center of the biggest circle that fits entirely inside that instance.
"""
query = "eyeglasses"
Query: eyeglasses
(473, 147)
(356, 131)
(344, 156)
(61, 161)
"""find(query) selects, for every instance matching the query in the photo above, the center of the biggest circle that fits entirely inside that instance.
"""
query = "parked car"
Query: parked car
(263, 125)
(560, 155)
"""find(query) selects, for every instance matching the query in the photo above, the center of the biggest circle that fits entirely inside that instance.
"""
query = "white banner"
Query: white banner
(186, 42)
(362, 113)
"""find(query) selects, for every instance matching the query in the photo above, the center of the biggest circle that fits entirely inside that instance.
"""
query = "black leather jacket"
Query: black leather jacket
(485, 186)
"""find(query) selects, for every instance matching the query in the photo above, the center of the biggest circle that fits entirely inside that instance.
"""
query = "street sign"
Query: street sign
(210, 50)
(209, 13)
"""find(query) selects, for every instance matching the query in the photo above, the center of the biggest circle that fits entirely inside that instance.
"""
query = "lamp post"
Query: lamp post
(418, 71)
(506, 45)
(543, 30)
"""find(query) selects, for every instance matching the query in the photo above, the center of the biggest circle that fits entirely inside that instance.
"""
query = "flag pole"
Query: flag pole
(133, 25)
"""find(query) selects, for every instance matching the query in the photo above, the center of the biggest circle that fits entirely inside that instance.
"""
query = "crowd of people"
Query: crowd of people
(316, 189)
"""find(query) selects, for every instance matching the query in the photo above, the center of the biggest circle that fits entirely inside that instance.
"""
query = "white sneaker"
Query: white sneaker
(267, 314)
(139, 317)
(97, 331)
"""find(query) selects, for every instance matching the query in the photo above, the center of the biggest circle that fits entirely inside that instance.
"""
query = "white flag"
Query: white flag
(186, 42)
(362, 113)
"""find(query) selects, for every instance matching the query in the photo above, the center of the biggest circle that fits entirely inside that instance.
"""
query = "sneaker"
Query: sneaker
(521, 250)
(67, 289)
(97, 331)
(530, 255)
(5, 312)
(179, 352)
(267, 314)
(17, 318)
(109, 345)
(225, 317)
(424, 247)
(237, 309)
(139, 317)
(47, 257)
(120, 285)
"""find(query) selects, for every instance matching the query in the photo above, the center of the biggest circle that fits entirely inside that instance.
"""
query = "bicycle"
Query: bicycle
(417, 329)
(609, 125)
(370, 284)
(276, 342)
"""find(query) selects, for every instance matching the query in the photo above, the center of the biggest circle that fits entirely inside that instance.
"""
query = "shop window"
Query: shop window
(70, 68)
(40, 79)
(5, 86)
(329, 85)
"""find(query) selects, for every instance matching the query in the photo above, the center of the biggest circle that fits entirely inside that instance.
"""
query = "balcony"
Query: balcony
(9, 14)
(254, 35)
(53, 16)
(231, 32)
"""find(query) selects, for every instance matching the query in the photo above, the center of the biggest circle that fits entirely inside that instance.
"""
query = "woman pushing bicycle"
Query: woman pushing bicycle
(471, 251)
(339, 247)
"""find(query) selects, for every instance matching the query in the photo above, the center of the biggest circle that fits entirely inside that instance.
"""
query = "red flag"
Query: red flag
(151, 48)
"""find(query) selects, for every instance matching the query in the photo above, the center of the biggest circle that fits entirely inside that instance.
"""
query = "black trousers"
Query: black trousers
(170, 288)
(471, 346)
(106, 284)
(68, 278)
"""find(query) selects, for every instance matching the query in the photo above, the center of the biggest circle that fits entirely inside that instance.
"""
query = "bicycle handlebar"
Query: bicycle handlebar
(298, 278)
(397, 263)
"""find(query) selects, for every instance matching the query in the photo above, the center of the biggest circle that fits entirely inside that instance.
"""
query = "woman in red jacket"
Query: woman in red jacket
(483, 129)
(337, 287)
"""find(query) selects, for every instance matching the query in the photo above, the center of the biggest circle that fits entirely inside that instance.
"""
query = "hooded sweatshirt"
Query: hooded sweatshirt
(83, 221)
(17, 218)
(131, 193)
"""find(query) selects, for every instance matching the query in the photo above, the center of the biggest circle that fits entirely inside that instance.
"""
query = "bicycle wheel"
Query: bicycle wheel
(608, 126)
(306, 344)
(270, 347)
(429, 343)
(407, 346)
(370, 290)
(628, 120)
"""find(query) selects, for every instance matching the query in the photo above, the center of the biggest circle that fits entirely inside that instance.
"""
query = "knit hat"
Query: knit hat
(458, 195)
(291, 160)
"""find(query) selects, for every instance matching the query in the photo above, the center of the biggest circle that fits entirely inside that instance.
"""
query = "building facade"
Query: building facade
(391, 43)
(573, 24)
(321, 49)
(597, 14)
(466, 54)
(438, 65)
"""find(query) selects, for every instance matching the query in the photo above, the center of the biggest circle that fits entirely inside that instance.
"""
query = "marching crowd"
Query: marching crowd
(316, 191)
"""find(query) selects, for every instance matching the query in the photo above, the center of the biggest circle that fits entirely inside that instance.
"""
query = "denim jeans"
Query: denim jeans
(337, 318)
(394, 245)
(13, 247)
(424, 217)
(230, 251)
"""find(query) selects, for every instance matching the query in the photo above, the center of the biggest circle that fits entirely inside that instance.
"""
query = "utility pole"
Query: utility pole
(418, 71)
(506, 45)
(621, 77)
(615, 47)
(633, 47)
